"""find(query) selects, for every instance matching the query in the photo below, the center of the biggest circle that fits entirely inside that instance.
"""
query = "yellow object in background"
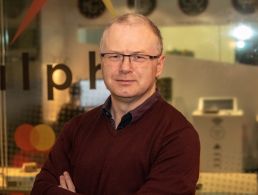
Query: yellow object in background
(109, 7)
(42, 137)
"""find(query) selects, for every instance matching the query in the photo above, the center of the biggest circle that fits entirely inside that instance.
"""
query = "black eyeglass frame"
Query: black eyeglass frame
(129, 55)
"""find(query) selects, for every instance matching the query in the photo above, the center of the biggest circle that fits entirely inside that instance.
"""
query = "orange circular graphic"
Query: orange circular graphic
(42, 137)
(22, 137)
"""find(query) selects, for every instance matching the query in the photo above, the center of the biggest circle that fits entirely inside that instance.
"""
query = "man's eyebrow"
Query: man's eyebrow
(138, 52)
(132, 52)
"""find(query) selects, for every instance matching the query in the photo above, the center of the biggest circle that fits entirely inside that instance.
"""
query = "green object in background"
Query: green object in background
(91, 35)
(165, 87)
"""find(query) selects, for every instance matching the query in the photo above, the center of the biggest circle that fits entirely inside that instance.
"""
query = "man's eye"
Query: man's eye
(139, 57)
(114, 56)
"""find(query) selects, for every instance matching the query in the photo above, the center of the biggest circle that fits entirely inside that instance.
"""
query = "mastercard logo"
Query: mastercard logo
(34, 138)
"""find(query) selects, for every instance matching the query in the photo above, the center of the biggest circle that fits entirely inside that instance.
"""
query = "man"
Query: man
(135, 143)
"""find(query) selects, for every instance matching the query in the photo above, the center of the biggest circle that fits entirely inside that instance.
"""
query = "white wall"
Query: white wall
(194, 78)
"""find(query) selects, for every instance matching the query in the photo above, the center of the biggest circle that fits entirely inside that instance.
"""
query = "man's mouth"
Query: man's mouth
(125, 81)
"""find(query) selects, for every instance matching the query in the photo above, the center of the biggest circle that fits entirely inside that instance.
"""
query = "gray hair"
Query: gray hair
(132, 18)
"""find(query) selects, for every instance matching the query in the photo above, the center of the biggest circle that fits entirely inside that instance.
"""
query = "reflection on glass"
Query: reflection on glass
(232, 43)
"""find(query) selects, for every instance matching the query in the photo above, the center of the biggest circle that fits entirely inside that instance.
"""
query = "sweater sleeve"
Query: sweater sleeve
(176, 166)
(47, 181)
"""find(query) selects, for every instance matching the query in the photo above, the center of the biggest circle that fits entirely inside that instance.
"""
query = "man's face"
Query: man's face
(129, 79)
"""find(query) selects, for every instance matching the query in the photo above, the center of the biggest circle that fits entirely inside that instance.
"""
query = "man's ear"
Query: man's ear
(160, 65)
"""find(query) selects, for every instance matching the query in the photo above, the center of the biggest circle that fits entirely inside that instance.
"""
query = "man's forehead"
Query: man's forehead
(129, 28)
(130, 36)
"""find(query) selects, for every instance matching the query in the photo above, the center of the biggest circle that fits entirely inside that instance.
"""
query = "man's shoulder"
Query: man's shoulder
(90, 114)
(175, 124)
(172, 116)
(168, 109)
(86, 117)
(82, 122)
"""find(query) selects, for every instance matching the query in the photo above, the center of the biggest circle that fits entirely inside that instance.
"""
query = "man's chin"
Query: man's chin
(125, 96)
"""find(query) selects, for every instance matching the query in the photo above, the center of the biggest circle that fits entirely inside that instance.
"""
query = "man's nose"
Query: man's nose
(126, 64)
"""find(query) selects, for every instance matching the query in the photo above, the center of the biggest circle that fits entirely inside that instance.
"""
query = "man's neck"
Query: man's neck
(118, 110)
(120, 106)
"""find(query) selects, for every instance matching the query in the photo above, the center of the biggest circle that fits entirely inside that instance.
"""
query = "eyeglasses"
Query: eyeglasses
(133, 58)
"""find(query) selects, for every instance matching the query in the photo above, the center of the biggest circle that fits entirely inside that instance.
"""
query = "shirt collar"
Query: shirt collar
(134, 114)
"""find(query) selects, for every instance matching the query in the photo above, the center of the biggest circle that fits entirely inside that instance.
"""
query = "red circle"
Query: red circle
(22, 137)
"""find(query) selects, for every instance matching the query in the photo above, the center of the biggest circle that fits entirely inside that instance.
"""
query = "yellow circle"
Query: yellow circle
(42, 137)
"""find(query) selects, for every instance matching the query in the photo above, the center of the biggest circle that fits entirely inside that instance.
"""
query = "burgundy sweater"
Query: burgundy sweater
(158, 154)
